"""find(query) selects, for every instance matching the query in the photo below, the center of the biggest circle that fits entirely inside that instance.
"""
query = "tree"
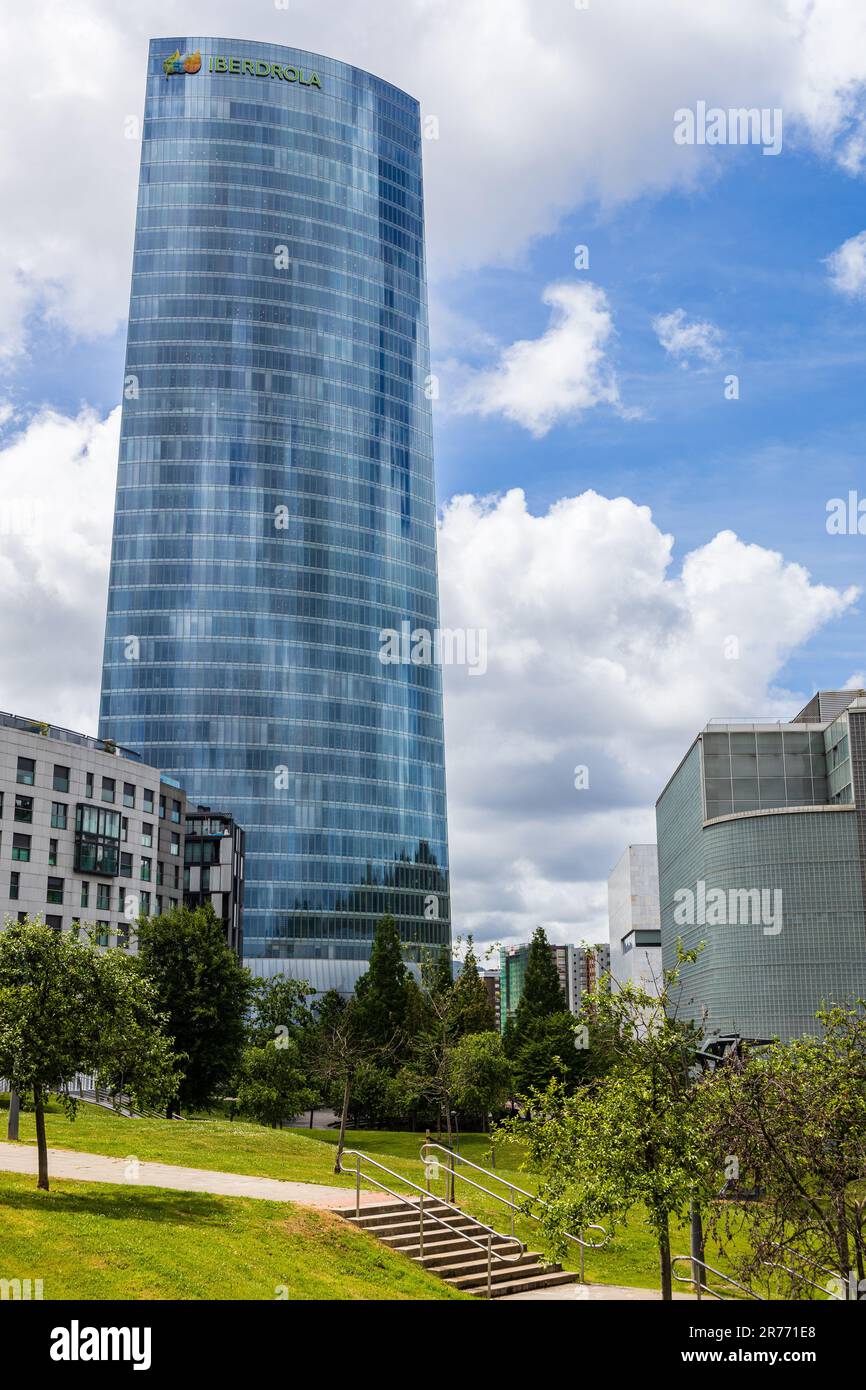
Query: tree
(205, 992)
(633, 1137)
(273, 1083)
(380, 994)
(546, 1050)
(481, 1075)
(279, 1009)
(790, 1121)
(472, 1009)
(341, 1045)
(542, 993)
(65, 1008)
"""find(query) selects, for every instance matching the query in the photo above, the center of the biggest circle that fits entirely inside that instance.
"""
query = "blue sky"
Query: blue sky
(558, 132)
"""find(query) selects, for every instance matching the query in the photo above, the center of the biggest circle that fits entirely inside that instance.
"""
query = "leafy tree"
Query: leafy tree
(341, 1046)
(542, 993)
(481, 1074)
(380, 994)
(273, 1083)
(205, 992)
(633, 1137)
(472, 1009)
(279, 1009)
(790, 1121)
(546, 1050)
(66, 1007)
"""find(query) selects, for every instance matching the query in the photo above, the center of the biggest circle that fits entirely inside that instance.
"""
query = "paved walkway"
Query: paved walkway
(66, 1163)
(589, 1293)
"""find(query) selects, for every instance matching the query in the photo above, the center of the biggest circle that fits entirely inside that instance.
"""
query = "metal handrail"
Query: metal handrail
(514, 1207)
(699, 1283)
(486, 1247)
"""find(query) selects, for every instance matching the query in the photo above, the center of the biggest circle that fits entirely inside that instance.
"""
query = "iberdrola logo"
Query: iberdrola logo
(176, 66)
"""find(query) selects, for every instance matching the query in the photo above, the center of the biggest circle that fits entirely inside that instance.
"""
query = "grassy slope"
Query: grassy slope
(98, 1241)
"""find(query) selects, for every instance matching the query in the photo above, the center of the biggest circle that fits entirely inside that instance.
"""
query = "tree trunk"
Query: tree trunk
(14, 1111)
(42, 1147)
(665, 1258)
(451, 1147)
(342, 1139)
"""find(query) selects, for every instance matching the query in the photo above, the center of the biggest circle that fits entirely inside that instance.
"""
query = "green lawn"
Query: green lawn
(99, 1241)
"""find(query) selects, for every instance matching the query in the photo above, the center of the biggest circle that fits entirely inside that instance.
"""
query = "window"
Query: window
(126, 864)
(103, 897)
(54, 922)
(123, 938)
(147, 834)
(85, 895)
(14, 884)
(128, 794)
(161, 807)
(175, 812)
(145, 870)
(175, 842)
(58, 815)
(97, 840)
(55, 890)
(22, 916)
(24, 809)
(102, 930)
(147, 799)
(52, 851)
(109, 787)
(60, 780)
(205, 880)
(26, 772)
(177, 875)
(88, 785)
(21, 848)
(124, 828)
(160, 873)
(159, 904)
(1, 803)
(145, 904)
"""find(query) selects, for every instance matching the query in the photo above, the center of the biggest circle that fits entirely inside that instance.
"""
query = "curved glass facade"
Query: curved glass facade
(275, 505)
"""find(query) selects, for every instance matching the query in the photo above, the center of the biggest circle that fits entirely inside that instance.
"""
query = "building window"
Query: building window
(145, 870)
(103, 897)
(161, 807)
(205, 880)
(1, 803)
(102, 929)
(128, 794)
(124, 828)
(52, 852)
(54, 922)
(55, 890)
(26, 772)
(123, 938)
(22, 916)
(145, 904)
(147, 799)
(147, 834)
(21, 848)
(14, 884)
(60, 781)
(88, 785)
(97, 840)
(58, 815)
(175, 842)
(109, 787)
(175, 812)
(126, 864)
(159, 904)
(85, 895)
(177, 875)
(24, 809)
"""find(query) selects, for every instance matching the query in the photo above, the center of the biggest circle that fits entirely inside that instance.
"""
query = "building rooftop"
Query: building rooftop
(39, 727)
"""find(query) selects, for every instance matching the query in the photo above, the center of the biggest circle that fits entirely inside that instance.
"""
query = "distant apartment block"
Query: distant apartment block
(634, 920)
(762, 856)
(92, 836)
(579, 969)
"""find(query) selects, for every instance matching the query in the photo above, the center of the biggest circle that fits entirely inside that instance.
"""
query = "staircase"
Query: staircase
(455, 1246)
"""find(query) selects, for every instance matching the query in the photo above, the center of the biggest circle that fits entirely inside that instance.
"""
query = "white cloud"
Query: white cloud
(598, 655)
(688, 339)
(57, 483)
(541, 107)
(847, 267)
(540, 381)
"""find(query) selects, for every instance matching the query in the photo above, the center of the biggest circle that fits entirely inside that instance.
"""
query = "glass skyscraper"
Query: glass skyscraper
(275, 509)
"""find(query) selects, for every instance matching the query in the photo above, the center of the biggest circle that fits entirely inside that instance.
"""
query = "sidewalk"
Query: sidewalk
(65, 1163)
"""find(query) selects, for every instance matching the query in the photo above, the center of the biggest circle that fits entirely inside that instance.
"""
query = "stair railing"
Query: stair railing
(486, 1246)
(509, 1201)
(701, 1286)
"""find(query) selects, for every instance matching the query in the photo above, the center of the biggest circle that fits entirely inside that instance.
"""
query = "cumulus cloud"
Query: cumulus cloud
(57, 479)
(600, 655)
(688, 339)
(539, 381)
(529, 122)
(846, 267)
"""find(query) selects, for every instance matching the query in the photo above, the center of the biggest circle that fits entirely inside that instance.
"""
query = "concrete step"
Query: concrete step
(452, 1251)
(474, 1266)
(521, 1283)
(434, 1236)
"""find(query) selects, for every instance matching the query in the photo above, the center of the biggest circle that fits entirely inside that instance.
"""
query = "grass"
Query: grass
(100, 1241)
(307, 1156)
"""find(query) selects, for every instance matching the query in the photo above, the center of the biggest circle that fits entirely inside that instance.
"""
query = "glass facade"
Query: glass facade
(275, 506)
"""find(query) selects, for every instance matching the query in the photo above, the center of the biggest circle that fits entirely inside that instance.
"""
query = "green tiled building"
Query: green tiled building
(762, 856)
